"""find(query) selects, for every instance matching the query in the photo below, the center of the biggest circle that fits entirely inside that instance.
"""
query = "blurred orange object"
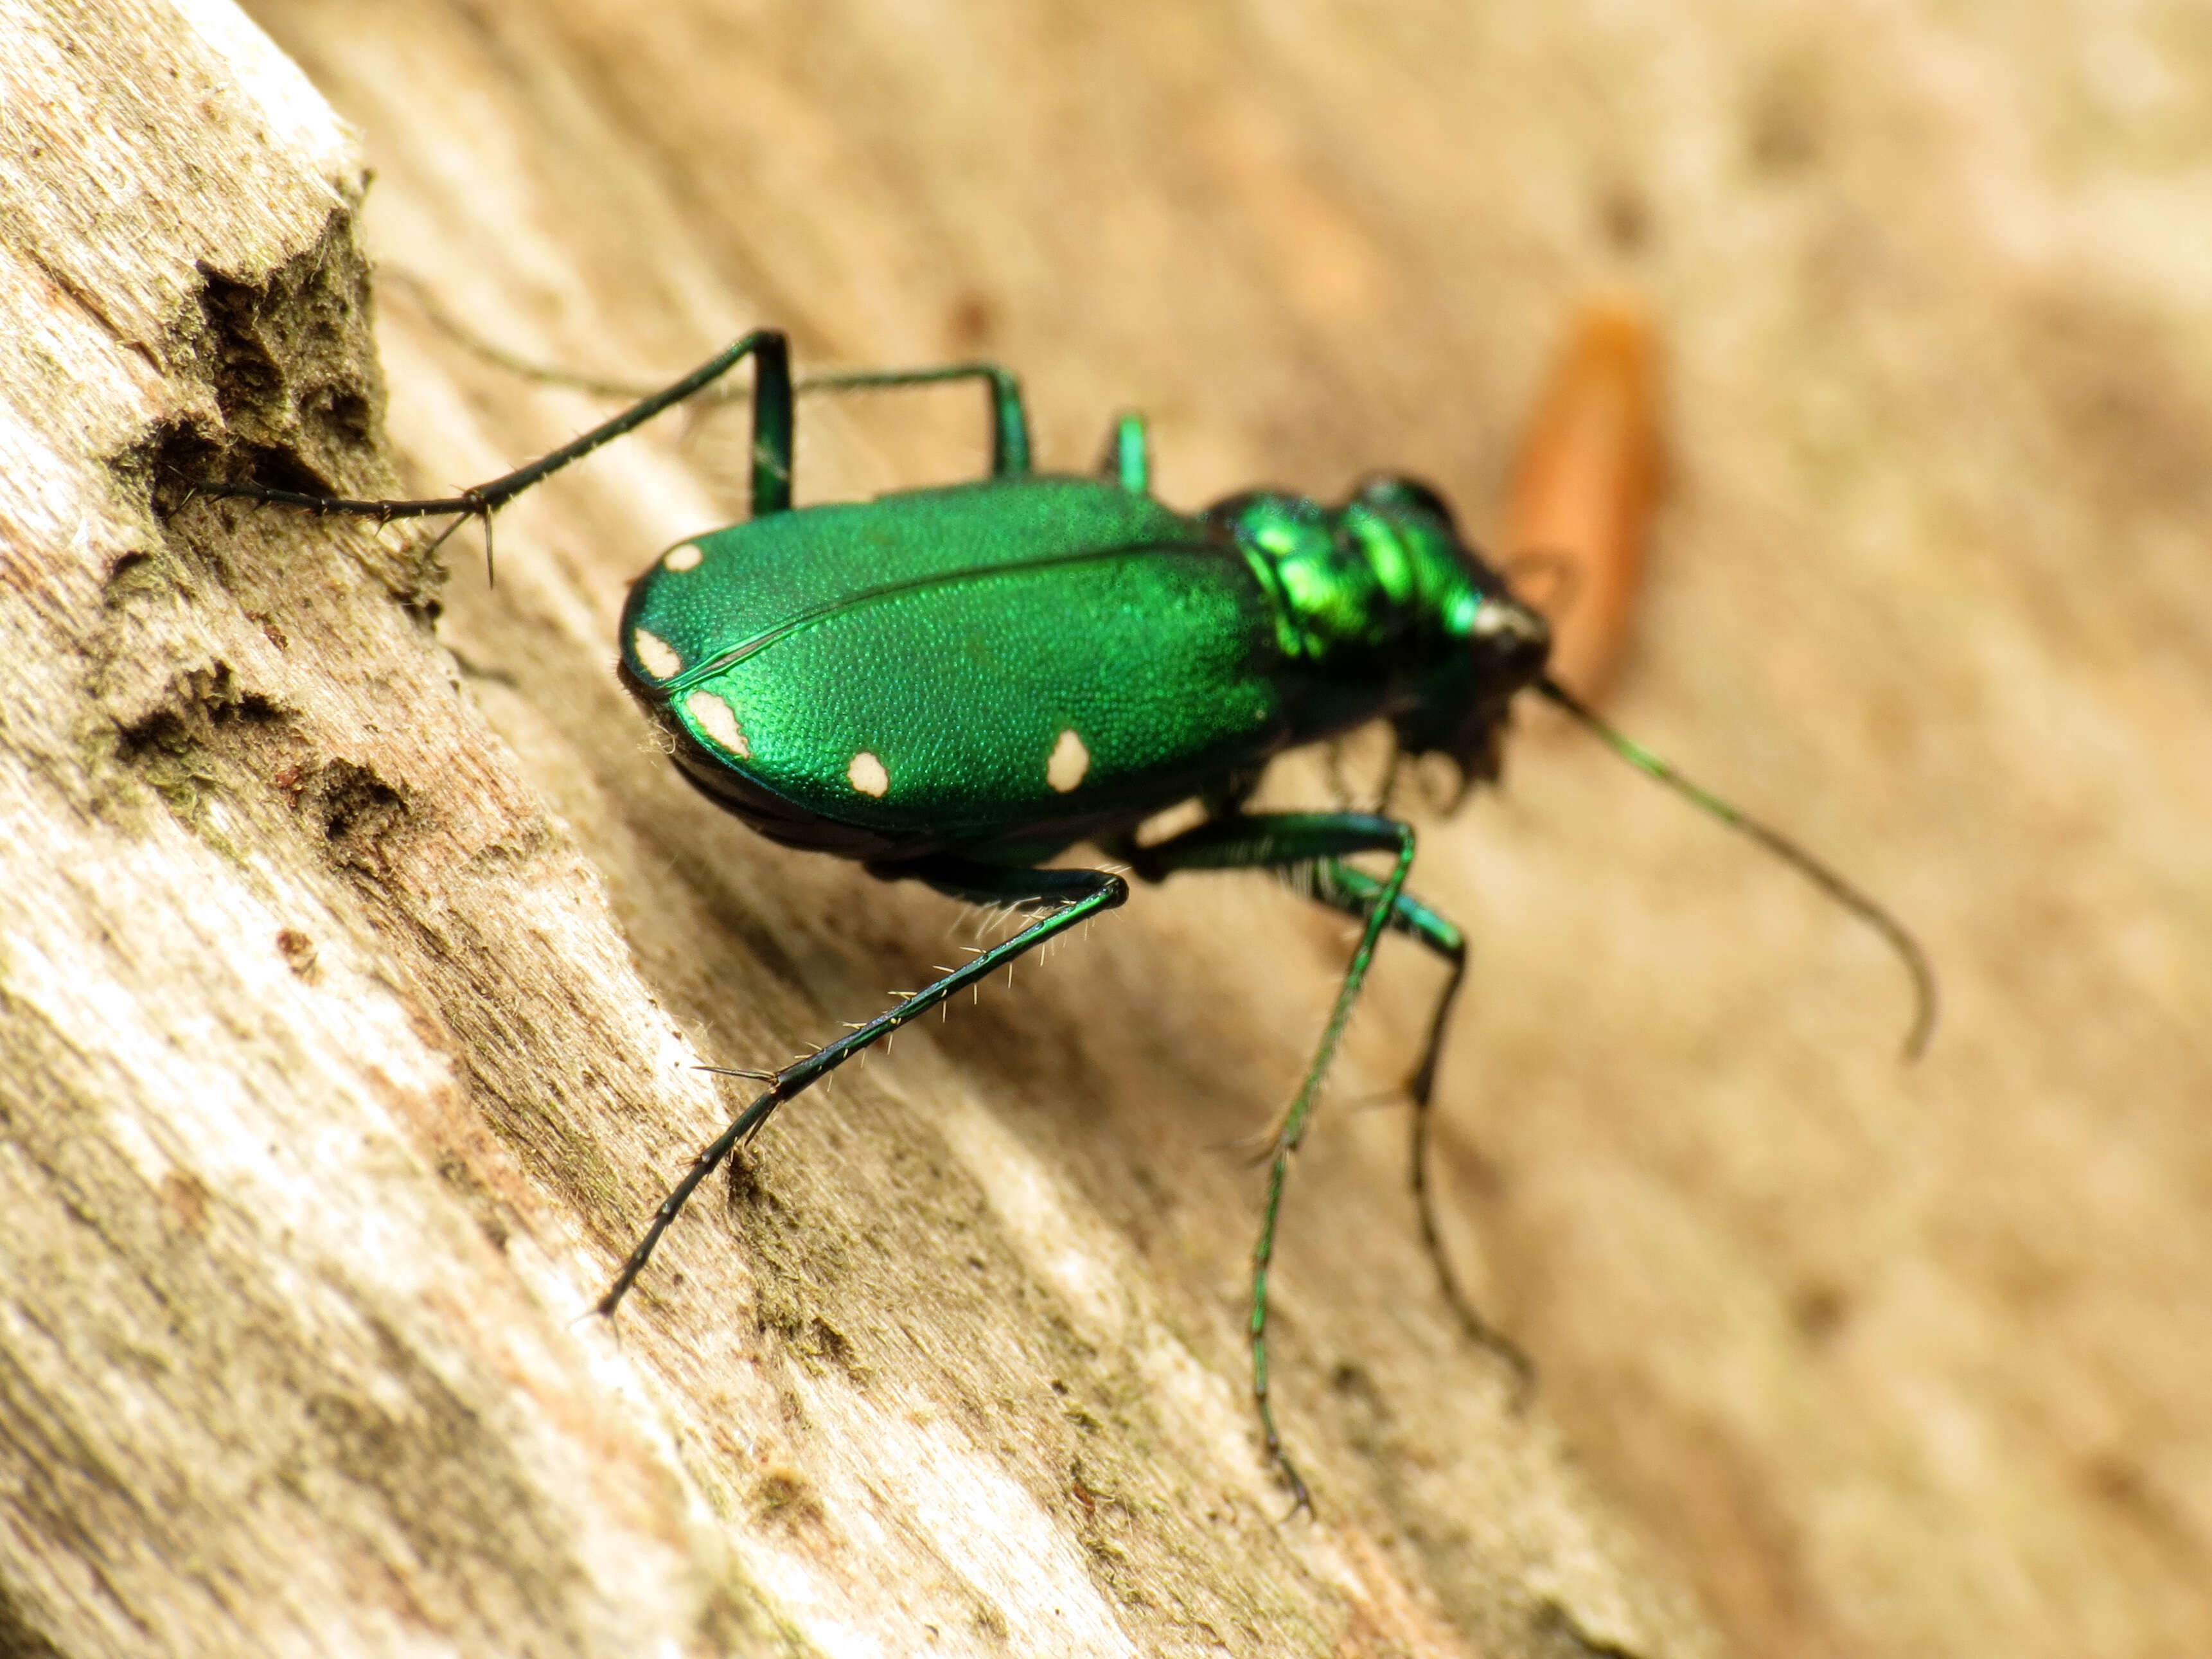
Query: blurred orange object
(1585, 487)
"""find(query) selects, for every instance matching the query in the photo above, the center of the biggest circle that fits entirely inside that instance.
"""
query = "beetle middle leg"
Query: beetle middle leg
(1010, 428)
(1010, 421)
(1272, 841)
(772, 393)
(1069, 897)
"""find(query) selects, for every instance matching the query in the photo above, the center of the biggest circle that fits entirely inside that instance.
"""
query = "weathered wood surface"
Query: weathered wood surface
(354, 959)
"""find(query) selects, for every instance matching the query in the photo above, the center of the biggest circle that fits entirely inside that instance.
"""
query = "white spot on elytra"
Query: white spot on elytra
(659, 656)
(1069, 764)
(718, 721)
(868, 774)
(685, 557)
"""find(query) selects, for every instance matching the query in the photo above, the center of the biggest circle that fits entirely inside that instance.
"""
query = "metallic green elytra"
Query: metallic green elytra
(953, 685)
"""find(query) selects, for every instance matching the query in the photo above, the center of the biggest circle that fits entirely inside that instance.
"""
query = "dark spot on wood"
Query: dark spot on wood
(827, 1341)
(1365, 1415)
(1784, 132)
(1480, 1175)
(162, 732)
(245, 372)
(788, 1497)
(359, 813)
(2119, 1481)
(970, 322)
(184, 1198)
(742, 1181)
(131, 573)
(1819, 1311)
(298, 951)
(289, 360)
(1625, 217)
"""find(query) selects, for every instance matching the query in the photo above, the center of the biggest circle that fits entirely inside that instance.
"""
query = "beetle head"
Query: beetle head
(1499, 644)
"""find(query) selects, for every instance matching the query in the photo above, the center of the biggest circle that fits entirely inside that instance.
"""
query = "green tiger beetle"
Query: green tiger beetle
(954, 685)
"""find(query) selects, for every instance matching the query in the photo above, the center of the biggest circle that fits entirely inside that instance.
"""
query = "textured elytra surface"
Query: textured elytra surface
(1888, 1362)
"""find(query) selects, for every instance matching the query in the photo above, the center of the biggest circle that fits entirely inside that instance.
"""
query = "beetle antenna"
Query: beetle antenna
(1859, 904)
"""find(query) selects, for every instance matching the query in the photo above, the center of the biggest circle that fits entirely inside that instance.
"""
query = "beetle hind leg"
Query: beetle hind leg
(1067, 898)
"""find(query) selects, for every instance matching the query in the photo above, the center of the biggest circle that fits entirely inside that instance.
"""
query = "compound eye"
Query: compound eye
(1390, 490)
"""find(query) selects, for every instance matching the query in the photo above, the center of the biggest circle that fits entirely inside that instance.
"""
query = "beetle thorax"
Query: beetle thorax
(1383, 608)
(1355, 594)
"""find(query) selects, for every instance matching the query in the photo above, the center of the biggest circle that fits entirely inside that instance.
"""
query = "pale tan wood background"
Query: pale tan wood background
(351, 985)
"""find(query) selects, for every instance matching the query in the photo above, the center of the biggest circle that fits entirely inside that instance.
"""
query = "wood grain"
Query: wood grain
(359, 947)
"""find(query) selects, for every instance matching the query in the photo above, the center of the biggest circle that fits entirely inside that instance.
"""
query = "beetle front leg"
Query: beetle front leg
(1275, 840)
(1353, 891)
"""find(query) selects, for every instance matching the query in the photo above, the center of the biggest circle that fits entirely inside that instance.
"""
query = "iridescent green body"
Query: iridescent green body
(955, 685)
(1006, 667)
